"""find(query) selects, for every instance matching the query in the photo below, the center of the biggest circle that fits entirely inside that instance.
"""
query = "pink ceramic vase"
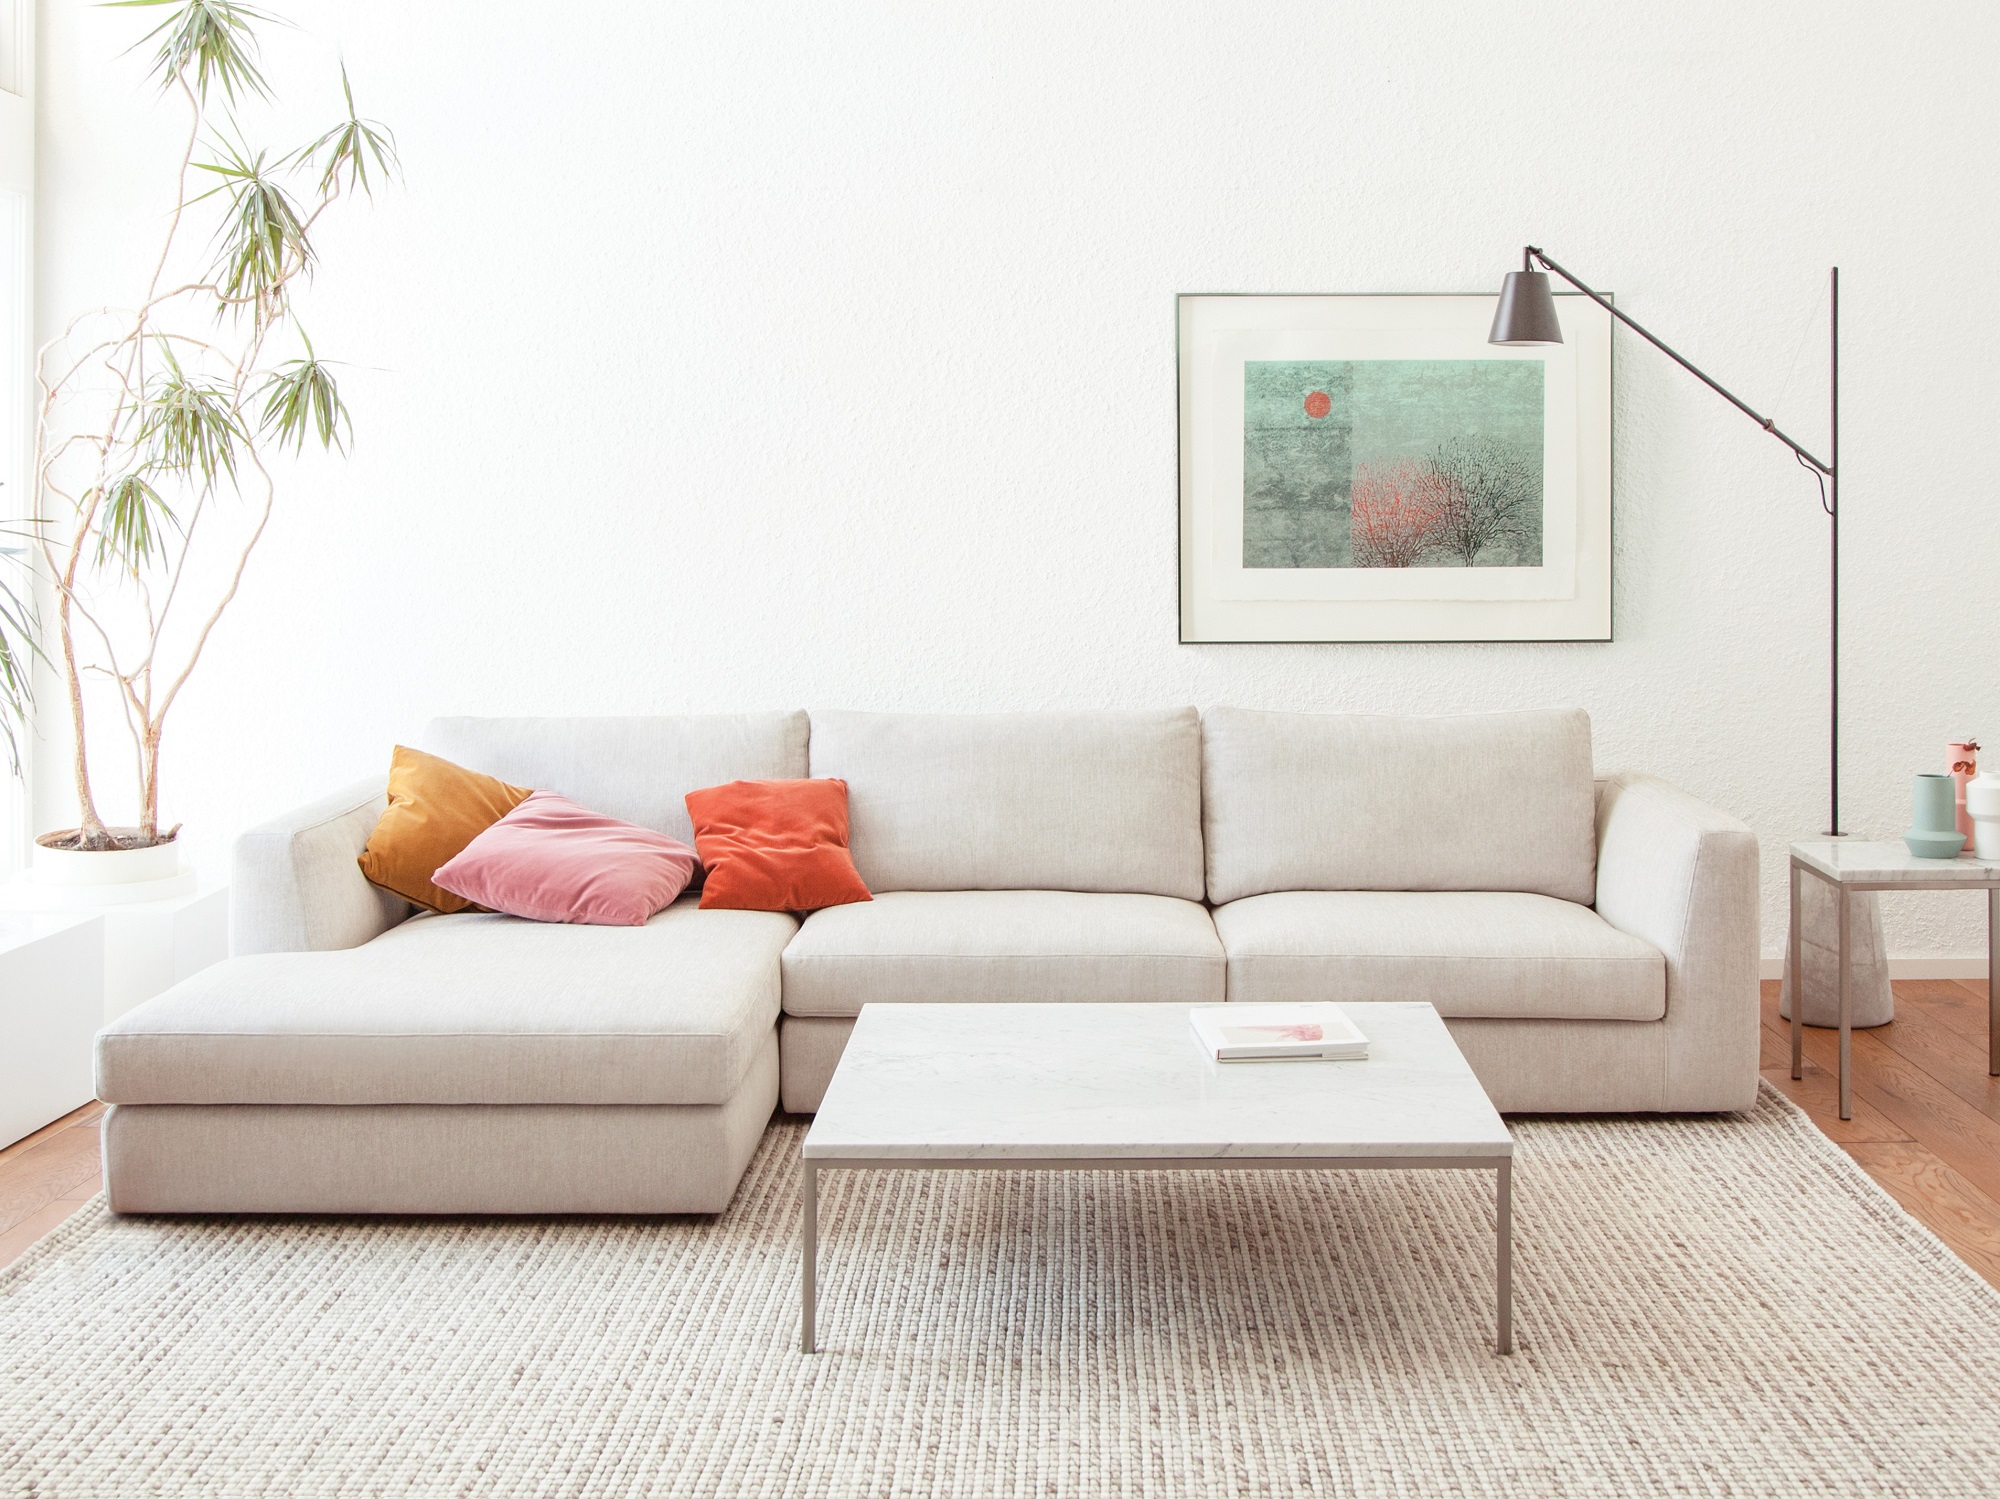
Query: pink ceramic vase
(1962, 759)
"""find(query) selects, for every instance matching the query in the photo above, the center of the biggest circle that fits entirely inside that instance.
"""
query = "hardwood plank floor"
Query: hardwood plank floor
(1926, 1123)
(1926, 1119)
(47, 1176)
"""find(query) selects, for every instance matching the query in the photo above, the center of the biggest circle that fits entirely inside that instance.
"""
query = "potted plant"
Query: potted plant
(161, 428)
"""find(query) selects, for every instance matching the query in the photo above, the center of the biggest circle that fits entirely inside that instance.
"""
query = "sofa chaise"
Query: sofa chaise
(1591, 942)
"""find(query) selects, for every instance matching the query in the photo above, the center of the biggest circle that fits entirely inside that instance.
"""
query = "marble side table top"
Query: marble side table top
(1130, 1081)
(1848, 861)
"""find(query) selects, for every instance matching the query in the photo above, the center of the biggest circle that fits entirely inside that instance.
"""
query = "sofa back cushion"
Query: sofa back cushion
(638, 769)
(1106, 802)
(1313, 801)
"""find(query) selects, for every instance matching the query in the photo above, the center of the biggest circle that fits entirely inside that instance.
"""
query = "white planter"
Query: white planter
(113, 877)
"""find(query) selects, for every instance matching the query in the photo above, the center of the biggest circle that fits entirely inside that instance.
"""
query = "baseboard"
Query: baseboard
(1910, 968)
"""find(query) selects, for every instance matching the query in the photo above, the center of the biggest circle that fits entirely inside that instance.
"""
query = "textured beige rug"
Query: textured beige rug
(1705, 1307)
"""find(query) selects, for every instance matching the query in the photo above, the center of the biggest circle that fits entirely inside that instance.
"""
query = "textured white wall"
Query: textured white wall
(718, 356)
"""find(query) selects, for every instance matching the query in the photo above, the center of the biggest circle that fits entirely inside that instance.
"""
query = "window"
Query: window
(17, 187)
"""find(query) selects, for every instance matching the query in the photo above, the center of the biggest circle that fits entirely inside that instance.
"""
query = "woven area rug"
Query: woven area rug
(1706, 1306)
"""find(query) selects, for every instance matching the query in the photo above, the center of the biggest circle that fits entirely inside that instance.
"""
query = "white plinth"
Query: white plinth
(149, 945)
(51, 1003)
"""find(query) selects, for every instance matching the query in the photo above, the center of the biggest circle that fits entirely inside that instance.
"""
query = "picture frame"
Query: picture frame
(1369, 468)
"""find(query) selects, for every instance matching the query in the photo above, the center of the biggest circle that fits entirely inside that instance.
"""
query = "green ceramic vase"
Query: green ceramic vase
(1934, 830)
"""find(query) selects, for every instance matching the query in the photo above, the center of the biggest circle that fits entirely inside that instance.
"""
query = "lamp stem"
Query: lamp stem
(1829, 471)
(1833, 588)
(1536, 253)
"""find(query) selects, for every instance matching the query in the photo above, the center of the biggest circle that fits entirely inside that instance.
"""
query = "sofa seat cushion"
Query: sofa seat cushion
(986, 946)
(474, 1009)
(1470, 953)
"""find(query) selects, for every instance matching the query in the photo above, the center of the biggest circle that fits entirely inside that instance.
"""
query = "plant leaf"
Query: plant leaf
(262, 240)
(20, 645)
(189, 427)
(132, 522)
(301, 397)
(348, 148)
(210, 39)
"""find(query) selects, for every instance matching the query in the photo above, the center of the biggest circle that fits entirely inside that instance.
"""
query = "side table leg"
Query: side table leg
(809, 1241)
(1993, 982)
(1846, 1017)
(1797, 944)
(1503, 1204)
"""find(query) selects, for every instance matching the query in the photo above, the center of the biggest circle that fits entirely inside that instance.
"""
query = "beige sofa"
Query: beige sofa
(1592, 944)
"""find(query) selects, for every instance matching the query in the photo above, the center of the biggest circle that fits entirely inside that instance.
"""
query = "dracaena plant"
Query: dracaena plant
(162, 429)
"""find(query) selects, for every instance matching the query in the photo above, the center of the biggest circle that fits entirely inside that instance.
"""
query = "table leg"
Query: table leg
(1993, 982)
(1797, 943)
(1846, 1018)
(809, 1240)
(1503, 1204)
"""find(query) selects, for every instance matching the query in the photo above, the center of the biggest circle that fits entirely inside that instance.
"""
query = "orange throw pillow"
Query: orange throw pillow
(435, 809)
(774, 846)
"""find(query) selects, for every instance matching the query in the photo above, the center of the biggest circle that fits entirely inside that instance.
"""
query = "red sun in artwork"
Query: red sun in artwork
(1318, 404)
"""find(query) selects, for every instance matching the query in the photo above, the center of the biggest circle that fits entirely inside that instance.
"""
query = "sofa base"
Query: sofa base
(1526, 1066)
(437, 1158)
(809, 1048)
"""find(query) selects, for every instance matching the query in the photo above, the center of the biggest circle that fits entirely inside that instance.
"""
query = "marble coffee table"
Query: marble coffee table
(1126, 1087)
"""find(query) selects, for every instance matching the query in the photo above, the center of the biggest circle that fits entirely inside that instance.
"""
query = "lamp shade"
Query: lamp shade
(1527, 312)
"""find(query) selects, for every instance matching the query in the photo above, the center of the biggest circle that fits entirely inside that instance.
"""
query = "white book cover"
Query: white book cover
(1273, 1032)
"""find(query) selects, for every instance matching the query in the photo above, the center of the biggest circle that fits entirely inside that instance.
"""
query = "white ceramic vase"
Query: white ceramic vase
(1982, 805)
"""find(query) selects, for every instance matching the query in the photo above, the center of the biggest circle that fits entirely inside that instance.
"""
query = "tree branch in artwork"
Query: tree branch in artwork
(1496, 490)
(1400, 508)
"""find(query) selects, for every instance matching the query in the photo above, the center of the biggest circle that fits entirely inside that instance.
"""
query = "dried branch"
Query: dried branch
(145, 421)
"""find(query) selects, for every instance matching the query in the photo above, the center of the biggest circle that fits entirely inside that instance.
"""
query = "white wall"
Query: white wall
(718, 355)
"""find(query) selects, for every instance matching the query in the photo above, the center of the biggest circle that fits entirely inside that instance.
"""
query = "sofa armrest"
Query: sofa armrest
(1683, 876)
(297, 887)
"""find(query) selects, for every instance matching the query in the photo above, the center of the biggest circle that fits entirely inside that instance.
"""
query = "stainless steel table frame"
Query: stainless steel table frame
(1963, 877)
(1502, 1168)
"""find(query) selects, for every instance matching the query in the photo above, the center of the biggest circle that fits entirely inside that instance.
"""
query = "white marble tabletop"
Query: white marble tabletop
(1068, 1081)
(1852, 862)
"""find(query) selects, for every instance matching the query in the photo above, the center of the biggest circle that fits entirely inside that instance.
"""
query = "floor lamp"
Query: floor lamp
(1527, 315)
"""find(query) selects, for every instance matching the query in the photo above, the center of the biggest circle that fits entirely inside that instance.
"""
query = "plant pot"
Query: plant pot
(119, 866)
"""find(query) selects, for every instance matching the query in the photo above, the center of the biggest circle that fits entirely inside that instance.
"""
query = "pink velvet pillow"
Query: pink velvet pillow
(550, 860)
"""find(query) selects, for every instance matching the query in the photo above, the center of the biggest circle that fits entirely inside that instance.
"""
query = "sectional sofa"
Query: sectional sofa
(1591, 941)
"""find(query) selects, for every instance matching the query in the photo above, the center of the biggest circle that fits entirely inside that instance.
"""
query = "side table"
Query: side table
(1850, 867)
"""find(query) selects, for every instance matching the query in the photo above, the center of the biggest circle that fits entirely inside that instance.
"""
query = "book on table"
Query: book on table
(1277, 1032)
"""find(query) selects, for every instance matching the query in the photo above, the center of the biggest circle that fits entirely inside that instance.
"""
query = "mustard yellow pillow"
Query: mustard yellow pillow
(435, 809)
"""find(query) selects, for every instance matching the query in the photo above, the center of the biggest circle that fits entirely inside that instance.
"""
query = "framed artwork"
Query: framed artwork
(1370, 468)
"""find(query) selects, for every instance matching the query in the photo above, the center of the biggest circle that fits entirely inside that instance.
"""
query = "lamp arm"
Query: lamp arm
(1533, 253)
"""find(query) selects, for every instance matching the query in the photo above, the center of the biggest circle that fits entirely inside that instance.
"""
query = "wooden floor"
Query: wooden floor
(46, 1177)
(1926, 1119)
(1926, 1123)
